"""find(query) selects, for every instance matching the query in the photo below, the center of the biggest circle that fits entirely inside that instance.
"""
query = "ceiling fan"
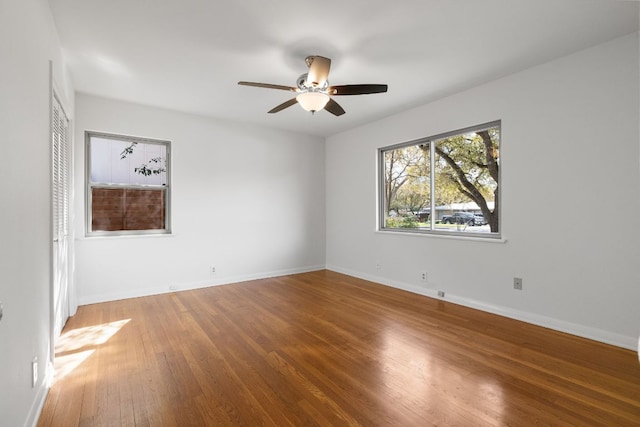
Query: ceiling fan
(313, 90)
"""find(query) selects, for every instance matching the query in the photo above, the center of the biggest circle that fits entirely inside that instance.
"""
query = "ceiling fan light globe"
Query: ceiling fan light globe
(312, 101)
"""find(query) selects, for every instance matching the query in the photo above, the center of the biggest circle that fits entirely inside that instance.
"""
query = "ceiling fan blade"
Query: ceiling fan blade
(334, 108)
(318, 70)
(284, 105)
(357, 89)
(268, 86)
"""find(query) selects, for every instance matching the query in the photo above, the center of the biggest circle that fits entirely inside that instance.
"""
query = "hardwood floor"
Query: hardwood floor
(325, 349)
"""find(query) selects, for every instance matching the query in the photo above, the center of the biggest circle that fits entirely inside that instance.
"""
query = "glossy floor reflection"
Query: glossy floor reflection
(323, 348)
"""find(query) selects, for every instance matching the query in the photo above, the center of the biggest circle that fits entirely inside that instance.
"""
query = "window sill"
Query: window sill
(124, 236)
(472, 238)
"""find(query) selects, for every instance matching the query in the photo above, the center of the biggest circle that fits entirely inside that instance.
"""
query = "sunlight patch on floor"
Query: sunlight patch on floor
(77, 345)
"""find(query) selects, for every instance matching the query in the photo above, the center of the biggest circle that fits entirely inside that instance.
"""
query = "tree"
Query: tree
(414, 195)
(401, 165)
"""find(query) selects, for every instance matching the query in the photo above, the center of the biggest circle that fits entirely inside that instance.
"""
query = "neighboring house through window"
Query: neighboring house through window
(128, 185)
(444, 184)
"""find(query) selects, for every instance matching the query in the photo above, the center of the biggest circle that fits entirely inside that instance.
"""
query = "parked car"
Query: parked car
(463, 218)
(479, 219)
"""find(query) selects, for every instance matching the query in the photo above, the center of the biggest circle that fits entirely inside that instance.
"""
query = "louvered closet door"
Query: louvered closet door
(61, 152)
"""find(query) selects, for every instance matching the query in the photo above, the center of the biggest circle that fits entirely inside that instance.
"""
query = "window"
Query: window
(445, 184)
(128, 185)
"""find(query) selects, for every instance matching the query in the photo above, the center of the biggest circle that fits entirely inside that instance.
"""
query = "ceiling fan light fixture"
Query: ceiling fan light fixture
(314, 93)
(312, 101)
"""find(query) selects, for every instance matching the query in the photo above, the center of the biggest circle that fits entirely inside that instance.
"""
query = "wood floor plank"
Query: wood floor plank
(325, 349)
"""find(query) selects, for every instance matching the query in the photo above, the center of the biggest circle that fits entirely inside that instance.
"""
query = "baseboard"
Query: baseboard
(186, 286)
(38, 404)
(595, 334)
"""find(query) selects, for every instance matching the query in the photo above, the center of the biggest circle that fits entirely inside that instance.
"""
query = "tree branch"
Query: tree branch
(467, 187)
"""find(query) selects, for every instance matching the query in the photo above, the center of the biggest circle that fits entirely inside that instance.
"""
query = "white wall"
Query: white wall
(249, 201)
(570, 149)
(28, 42)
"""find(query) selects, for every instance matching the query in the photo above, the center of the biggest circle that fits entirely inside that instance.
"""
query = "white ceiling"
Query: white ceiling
(188, 55)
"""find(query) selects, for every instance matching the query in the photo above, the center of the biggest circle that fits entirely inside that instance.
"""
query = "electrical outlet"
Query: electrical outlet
(441, 294)
(34, 372)
(423, 276)
(173, 288)
(517, 283)
(377, 265)
(212, 270)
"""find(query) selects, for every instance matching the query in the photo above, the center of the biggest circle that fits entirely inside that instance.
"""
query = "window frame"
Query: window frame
(89, 185)
(431, 140)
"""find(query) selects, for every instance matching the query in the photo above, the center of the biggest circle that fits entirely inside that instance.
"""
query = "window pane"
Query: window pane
(115, 209)
(116, 161)
(407, 187)
(466, 167)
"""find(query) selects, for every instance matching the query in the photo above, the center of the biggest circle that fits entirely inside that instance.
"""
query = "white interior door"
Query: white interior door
(61, 153)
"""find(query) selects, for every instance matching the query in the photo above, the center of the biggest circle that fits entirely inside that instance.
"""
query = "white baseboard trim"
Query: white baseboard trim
(38, 403)
(41, 396)
(186, 286)
(599, 335)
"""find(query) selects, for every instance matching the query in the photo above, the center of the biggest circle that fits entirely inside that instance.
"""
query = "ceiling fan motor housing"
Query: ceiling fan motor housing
(302, 81)
(304, 85)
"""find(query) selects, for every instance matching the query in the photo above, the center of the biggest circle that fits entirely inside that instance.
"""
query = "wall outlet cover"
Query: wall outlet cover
(34, 372)
(517, 283)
